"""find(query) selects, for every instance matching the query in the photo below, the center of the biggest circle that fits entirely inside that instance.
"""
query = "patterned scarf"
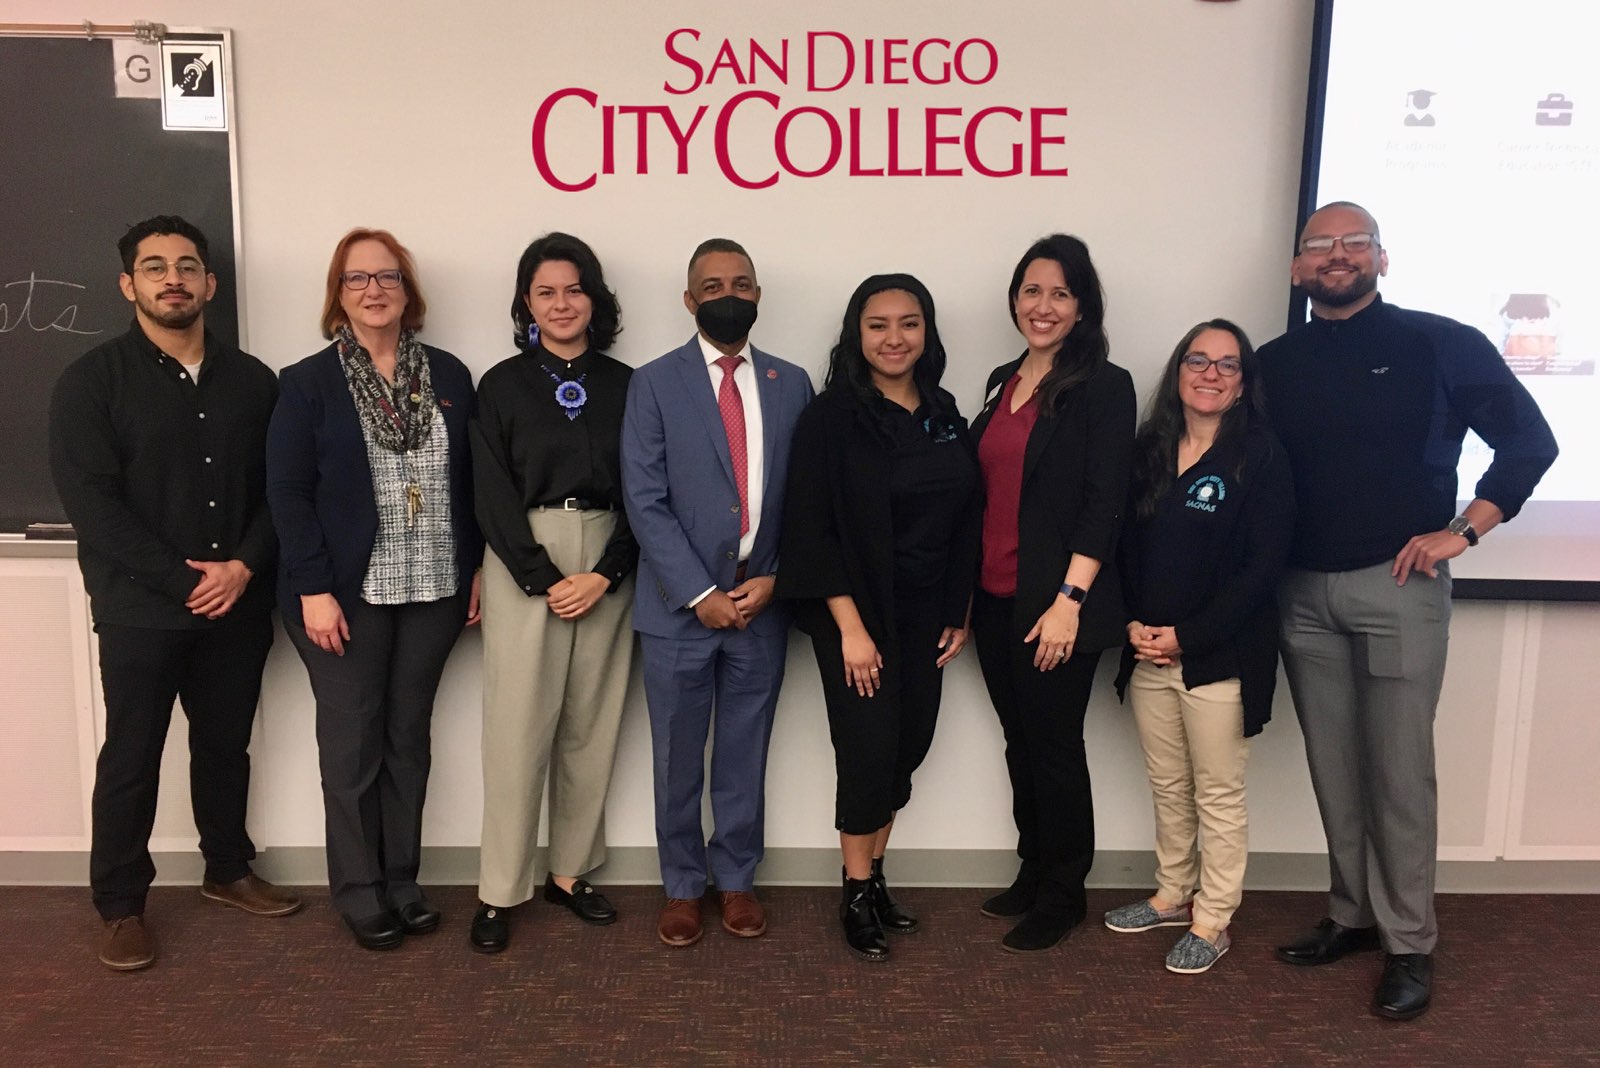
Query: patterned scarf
(398, 417)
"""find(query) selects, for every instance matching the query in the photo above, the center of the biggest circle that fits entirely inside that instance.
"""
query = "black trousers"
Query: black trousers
(374, 745)
(1041, 713)
(215, 672)
(879, 741)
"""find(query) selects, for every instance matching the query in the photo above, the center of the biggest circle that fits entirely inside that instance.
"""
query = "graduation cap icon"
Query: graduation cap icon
(1420, 98)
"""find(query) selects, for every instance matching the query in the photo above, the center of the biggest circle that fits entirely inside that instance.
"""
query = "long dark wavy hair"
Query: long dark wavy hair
(848, 368)
(605, 321)
(1155, 448)
(1086, 348)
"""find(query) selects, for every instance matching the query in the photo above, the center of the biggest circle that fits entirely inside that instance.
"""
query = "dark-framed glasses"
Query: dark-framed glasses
(1323, 243)
(1227, 367)
(360, 279)
(189, 269)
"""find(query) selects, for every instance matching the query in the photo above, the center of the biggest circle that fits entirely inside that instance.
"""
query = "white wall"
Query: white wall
(1183, 143)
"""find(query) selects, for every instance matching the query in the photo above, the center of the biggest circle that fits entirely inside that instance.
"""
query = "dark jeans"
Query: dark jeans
(215, 672)
(374, 744)
(879, 741)
(1041, 713)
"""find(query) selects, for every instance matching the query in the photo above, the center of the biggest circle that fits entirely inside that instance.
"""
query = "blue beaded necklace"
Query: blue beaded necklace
(570, 393)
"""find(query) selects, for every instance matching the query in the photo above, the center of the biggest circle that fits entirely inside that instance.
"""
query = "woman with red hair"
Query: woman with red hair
(368, 480)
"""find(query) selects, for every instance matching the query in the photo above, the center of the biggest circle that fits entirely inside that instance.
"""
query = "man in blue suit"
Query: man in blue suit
(705, 457)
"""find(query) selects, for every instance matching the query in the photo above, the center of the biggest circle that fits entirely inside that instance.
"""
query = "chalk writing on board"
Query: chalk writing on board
(39, 297)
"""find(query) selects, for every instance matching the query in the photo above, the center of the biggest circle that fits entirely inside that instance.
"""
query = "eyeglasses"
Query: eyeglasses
(189, 268)
(1322, 244)
(361, 279)
(1227, 367)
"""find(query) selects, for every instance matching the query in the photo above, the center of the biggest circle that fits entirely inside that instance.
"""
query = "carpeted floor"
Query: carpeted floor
(1519, 983)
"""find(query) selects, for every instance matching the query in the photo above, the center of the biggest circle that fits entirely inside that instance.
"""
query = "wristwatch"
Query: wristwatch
(1073, 593)
(1463, 526)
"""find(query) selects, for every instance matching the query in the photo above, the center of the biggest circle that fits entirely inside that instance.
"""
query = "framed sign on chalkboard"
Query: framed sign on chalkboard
(88, 154)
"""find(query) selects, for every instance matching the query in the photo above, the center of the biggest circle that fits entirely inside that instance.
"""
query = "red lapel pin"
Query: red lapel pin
(772, 372)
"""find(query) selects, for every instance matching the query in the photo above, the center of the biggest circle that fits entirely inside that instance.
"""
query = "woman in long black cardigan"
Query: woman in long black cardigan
(880, 543)
(1055, 441)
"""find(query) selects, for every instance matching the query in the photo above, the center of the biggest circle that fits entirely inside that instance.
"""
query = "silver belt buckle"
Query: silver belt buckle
(570, 505)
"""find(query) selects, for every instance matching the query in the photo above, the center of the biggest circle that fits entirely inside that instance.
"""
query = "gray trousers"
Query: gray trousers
(1365, 660)
(553, 693)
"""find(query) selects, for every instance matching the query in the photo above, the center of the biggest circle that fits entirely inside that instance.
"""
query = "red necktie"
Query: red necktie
(732, 406)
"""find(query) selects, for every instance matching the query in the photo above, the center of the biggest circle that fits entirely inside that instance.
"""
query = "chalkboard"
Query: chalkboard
(78, 166)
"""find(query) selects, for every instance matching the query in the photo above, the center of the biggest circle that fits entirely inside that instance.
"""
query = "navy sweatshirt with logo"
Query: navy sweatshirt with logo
(1373, 411)
(1207, 563)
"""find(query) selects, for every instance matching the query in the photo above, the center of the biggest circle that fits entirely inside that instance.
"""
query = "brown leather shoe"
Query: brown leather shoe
(254, 895)
(127, 946)
(680, 922)
(742, 914)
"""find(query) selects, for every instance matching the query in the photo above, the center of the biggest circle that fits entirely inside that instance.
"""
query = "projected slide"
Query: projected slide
(1472, 131)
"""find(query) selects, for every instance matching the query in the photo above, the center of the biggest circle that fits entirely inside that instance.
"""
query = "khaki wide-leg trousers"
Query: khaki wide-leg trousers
(552, 703)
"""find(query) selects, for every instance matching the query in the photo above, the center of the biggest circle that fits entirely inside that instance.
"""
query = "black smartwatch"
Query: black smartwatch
(1463, 526)
(1073, 593)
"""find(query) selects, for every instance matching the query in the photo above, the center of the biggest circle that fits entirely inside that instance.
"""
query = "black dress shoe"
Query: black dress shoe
(1406, 986)
(862, 931)
(1329, 942)
(418, 917)
(1040, 930)
(587, 903)
(382, 931)
(894, 917)
(1016, 899)
(491, 930)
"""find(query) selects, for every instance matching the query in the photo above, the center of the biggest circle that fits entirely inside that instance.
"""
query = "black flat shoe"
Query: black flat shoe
(893, 916)
(587, 903)
(1039, 931)
(418, 917)
(1329, 942)
(491, 930)
(1406, 986)
(1016, 899)
(382, 931)
(862, 931)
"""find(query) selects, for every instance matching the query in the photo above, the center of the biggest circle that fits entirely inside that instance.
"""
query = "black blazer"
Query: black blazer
(838, 533)
(1074, 488)
(319, 484)
(1234, 555)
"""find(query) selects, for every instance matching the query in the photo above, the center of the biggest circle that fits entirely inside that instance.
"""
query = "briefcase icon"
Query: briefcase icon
(1554, 110)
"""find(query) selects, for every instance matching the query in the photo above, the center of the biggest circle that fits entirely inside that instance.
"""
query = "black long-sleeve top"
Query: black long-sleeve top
(154, 468)
(1207, 563)
(1373, 410)
(849, 527)
(527, 452)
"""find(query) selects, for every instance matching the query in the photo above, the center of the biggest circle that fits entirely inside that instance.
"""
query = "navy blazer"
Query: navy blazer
(677, 482)
(319, 483)
(1075, 475)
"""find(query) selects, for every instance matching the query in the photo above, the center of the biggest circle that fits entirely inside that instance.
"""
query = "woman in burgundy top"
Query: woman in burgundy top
(1055, 442)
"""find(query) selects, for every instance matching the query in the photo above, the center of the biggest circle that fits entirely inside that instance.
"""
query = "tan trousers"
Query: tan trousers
(1195, 752)
(552, 702)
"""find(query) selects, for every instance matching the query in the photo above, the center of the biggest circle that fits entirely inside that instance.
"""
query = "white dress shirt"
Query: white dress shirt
(755, 459)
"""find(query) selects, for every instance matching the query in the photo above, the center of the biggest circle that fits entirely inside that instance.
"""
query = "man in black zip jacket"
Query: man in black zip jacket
(157, 445)
(1372, 403)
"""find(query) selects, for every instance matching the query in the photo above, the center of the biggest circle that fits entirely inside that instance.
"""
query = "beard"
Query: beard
(173, 317)
(1360, 284)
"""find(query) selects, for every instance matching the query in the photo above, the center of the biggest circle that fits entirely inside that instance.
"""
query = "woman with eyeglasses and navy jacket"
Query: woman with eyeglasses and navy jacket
(1211, 519)
(369, 481)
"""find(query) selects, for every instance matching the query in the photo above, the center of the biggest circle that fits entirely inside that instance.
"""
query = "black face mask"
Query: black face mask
(726, 319)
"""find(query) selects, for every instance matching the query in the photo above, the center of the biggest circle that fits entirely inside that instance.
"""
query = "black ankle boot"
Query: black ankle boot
(893, 916)
(1016, 899)
(862, 931)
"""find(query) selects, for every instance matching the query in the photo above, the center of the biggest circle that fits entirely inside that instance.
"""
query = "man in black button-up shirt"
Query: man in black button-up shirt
(1372, 403)
(157, 445)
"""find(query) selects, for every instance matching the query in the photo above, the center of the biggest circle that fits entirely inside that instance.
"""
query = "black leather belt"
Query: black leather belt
(576, 504)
